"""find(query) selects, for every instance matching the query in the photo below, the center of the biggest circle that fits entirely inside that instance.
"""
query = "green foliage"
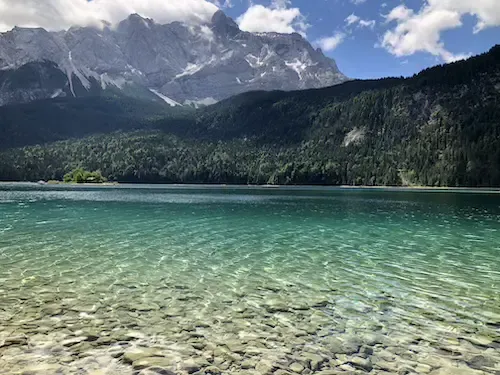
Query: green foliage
(56, 119)
(81, 176)
(425, 130)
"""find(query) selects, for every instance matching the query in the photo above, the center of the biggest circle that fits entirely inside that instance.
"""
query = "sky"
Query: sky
(367, 38)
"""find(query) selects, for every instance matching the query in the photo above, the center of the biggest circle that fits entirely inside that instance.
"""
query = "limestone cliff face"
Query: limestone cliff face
(175, 62)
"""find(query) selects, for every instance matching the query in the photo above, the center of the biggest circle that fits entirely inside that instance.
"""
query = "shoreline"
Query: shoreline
(270, 187)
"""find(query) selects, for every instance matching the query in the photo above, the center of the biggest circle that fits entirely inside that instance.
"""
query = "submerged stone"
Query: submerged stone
(193, 365)
(480, 340)
(481, 362)
(14, 340)
(248, 364)
(276, 306)
(265, 366)
(296, 367)
(337, 346)
(73, 341)
(456, 371)
(147, 362)
(212, 370)
(135, 354)
(41, 369)
(361, 363)
(315, 360)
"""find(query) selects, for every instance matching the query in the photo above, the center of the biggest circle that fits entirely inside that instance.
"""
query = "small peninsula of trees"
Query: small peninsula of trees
(81, 176)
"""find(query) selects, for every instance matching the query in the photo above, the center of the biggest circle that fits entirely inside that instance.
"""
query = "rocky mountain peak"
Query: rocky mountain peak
(223, 24)
(175, 62)
(135, 20)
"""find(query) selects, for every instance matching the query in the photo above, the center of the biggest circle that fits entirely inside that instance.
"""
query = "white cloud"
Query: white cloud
(401, 12)
(367, 23)
(61, 14)
(223, 3)
(421, 31)
(278, 17)
(352, 19)
(330, 43)
(358, 2)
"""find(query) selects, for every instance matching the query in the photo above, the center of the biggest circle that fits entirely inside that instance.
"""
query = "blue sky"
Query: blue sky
(367, 38)
(361, 53)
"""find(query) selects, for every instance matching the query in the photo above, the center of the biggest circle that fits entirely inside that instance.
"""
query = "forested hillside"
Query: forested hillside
(56, 119)
(438, 128)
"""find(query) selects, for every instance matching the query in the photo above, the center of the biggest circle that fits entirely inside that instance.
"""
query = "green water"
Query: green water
(144, 279)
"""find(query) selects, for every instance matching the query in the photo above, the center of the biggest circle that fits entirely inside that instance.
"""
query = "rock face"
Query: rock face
(175, 62)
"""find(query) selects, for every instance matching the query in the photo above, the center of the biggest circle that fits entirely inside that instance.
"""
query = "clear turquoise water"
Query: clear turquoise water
(195, 272)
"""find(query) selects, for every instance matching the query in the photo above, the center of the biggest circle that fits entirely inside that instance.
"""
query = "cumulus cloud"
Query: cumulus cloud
(330, 43)
(62, 14)
(278, 17)
(421, 31)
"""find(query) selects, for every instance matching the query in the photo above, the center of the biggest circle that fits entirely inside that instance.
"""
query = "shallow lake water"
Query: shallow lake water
(227, 280)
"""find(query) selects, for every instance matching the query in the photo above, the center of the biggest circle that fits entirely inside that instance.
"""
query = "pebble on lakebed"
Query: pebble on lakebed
(258, 334)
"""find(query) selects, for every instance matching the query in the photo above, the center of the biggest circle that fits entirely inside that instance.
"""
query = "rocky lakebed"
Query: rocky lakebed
(166, 328)
(143, 281)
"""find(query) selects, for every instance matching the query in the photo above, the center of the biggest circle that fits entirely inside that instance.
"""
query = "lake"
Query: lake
(240, 280)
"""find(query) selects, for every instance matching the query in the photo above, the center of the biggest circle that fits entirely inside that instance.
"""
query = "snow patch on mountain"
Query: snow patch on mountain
(191, 69)
(171, 102)
(107, 81)
(74, 70)
(298, 66)
(56, 93)
(201, 102)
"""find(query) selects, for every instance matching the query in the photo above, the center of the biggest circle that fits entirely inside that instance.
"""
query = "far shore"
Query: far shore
(277, 187)
(59, 183)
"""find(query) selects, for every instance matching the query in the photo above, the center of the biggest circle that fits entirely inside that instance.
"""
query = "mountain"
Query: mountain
(438, 128)
(176, 63)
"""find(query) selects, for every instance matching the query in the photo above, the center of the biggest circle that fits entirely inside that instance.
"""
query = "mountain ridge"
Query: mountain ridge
(188, 64)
